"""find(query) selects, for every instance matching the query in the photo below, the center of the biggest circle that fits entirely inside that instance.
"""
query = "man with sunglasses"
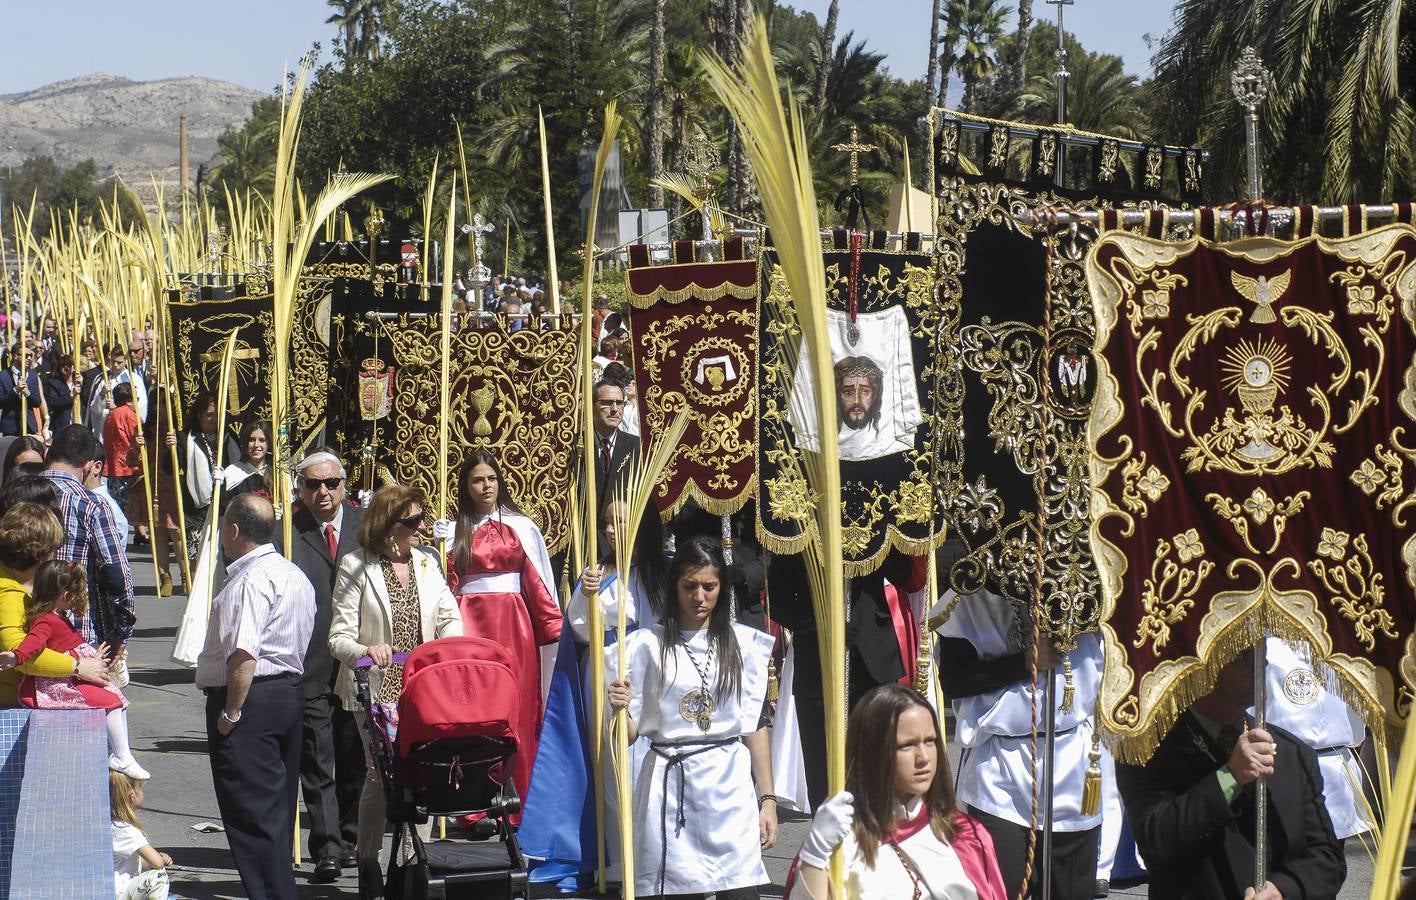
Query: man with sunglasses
(331, 757)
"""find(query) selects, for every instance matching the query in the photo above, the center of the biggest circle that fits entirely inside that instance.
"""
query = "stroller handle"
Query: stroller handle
(367, 662)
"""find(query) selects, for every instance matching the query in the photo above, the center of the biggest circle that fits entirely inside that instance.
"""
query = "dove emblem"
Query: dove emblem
(1263, 292)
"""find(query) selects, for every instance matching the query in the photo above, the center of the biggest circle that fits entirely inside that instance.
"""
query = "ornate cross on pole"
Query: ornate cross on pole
(855, 148)
(479, 230)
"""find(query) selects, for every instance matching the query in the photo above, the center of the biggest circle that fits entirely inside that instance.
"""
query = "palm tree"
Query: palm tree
(1101, 97)
(1018, 64)
(948, 51)
(828, 40)
(362, 24)
(654, 165)
(1342, 77)
(980, 25)
(931, 77)
(245, 161)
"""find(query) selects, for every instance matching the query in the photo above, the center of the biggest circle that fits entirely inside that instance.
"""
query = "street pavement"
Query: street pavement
(169, 736)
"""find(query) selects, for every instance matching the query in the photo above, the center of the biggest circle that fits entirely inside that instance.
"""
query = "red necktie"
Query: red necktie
(331, 540)
(606, 445)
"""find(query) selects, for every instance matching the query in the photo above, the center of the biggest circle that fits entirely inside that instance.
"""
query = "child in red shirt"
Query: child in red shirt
(60, 592)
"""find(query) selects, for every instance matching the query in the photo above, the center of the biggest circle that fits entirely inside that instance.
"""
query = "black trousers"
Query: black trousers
(255, 770)
(1073, 858)
(331, 776)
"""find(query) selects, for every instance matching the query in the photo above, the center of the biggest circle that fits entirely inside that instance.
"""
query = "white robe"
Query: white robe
(995, 728)
(717, 847)
(937, 863)
(1299, 702)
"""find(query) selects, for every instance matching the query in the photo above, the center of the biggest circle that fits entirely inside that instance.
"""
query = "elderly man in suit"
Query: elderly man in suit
(331, 757)
(1192, 806)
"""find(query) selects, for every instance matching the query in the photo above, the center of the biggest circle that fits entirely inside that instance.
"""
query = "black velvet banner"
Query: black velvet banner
(883, 322)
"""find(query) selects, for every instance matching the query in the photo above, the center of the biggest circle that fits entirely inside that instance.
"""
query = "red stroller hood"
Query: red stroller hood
(460, 687)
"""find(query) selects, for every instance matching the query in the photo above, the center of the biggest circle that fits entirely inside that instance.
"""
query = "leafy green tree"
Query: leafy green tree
(245, 156)
(54, 189)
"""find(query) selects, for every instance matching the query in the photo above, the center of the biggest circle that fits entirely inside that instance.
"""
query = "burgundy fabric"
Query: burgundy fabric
(647, 279)
(638, 255)
(1253, 463)
(677, 340)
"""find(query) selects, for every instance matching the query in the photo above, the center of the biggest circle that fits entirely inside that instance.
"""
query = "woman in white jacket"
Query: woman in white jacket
(389, 597)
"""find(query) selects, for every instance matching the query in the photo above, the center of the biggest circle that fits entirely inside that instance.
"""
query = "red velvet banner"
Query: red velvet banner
(695, 344)
(1253, 442)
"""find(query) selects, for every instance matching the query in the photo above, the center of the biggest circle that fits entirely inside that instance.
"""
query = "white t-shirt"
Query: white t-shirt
(127, 864)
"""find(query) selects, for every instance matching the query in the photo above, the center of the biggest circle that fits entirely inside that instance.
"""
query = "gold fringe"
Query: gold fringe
(1069, 690)
(717, 506)
(693, 292)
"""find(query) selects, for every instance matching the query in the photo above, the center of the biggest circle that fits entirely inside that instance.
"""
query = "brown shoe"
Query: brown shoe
(164, 585)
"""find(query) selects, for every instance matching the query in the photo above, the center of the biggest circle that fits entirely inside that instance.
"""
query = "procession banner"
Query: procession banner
(512, 393)
(1016, 374)
(694, 326)
(883, 324)
(199, 329)
(1253, 463)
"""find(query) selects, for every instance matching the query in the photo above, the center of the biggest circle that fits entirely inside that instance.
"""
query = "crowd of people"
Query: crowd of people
(362, 585)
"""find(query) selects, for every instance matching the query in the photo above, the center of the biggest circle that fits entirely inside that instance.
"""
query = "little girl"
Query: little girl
(139, 870)
(59, 594)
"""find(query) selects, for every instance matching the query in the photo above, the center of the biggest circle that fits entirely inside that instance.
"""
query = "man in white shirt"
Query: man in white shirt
(986, 671)
(250, 670)
(100, 399)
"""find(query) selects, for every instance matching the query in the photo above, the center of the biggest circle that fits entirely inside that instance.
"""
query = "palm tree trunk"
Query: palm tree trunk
(933, 76)
(741, 192)
(952, 16)
(1019, 62)
(655, 164)
(828, 42)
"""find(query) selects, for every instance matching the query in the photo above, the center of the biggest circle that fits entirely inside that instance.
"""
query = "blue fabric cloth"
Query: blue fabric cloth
(559, 839)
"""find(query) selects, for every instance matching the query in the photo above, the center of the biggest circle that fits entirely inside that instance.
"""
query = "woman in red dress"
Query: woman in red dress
(500, 572)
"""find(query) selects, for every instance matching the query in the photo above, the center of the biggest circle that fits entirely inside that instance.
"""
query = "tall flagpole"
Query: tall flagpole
(1249, 83)
(1046, 769)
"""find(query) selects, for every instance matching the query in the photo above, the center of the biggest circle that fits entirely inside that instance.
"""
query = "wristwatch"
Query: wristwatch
(229, 719)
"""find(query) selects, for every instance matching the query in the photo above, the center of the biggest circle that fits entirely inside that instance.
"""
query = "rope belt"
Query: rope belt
(676, 757)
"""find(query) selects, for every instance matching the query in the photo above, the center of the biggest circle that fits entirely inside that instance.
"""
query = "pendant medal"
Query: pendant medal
(697, 707)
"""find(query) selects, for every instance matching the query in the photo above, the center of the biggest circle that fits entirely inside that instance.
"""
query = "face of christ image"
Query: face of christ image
(858, 392)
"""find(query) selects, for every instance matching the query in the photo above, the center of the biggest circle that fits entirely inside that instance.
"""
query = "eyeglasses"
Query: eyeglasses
(330, 484)
(411, 522)
(613, 404)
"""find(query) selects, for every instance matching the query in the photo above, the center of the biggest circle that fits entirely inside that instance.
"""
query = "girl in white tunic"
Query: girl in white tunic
(696, 688)
(899, 830)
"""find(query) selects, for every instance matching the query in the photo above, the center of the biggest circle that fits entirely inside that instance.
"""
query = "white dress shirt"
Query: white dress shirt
(267, 609)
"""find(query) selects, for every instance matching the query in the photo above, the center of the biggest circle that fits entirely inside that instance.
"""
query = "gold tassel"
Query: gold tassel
(774, 686)
(1091, 785)
(1069, 690)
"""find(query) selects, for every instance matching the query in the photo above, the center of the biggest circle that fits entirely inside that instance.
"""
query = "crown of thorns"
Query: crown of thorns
(857, 366)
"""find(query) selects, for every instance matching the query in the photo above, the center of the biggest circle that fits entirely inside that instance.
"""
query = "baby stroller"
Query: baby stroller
(451, 754)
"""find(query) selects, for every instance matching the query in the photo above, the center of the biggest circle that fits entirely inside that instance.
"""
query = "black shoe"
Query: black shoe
(1103, 888)
(371, 881)
(349, 860)
(326, 870)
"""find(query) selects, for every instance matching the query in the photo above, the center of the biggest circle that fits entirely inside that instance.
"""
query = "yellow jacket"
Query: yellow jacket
(48, 663)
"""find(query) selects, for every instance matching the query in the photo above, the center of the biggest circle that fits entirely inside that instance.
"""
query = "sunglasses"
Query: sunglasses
(313, 484)
(411, 522)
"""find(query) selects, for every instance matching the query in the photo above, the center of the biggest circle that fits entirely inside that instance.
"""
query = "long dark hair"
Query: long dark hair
(466, 514)
(699, 552)
(873, 725)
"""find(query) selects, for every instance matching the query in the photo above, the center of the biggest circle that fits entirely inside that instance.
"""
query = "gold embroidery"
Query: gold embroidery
(1358, 593)
(998, 150)
(1263, 292)
(1155, 168)
(1387, 477)
(1046, 155)
(1362, 294)
(1171, 590)
(1150, 484)
(1258, 507)
(1109, 161)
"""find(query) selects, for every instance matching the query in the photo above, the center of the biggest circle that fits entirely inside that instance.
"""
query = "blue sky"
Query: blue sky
(251, 41)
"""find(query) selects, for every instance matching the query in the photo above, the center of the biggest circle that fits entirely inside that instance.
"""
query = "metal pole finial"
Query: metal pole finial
(1249, 82)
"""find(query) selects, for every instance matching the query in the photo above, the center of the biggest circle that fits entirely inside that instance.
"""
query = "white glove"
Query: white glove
(833, 821)
(365, 498)
(444, 530)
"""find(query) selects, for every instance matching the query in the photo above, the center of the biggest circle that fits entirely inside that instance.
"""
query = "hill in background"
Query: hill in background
(129, 128)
